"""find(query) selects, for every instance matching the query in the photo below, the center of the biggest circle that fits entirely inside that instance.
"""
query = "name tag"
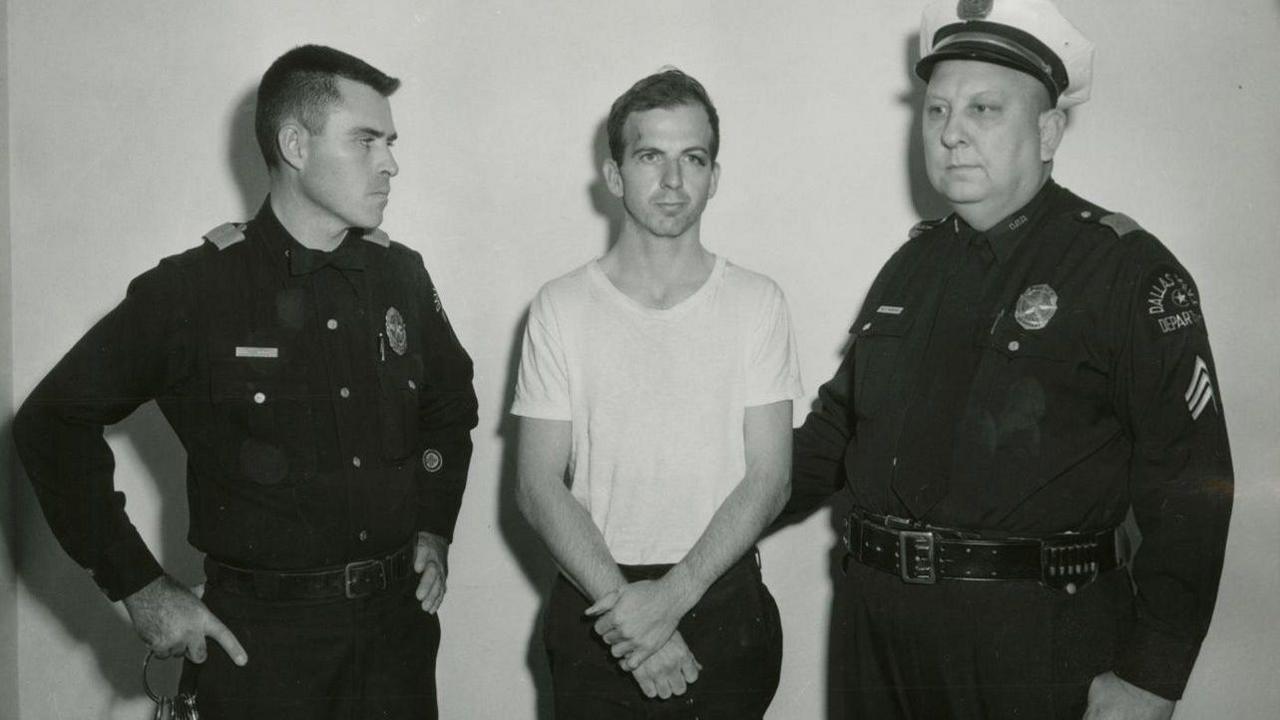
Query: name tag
(889, 310)
(257, 352)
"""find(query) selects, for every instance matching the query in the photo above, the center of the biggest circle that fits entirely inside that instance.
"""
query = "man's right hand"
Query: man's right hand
(172, 621)
(669, 671)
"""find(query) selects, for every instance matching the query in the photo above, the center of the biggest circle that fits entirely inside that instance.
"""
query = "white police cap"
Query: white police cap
(1027, 35)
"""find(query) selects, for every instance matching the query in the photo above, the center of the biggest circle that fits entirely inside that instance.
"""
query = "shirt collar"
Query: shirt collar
(349, 255)
(1003, 237)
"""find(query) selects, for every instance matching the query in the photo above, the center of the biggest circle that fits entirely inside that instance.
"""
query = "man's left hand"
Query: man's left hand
(637, 619)
(1111, 698)
(431, 561)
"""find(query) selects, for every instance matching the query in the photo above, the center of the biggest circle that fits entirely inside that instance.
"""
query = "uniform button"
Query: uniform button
(413, 385)
(355, 461)
(331, 324)
(259, 397)
(1086, 214)
(1013, 346)
(364, 535)
(866, 327)
(344, 392)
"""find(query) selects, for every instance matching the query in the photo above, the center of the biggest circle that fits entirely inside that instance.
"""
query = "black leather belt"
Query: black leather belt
(354, 580)
(923, 554)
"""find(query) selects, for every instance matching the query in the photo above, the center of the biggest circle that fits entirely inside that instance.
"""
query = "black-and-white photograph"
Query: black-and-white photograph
(579, 360)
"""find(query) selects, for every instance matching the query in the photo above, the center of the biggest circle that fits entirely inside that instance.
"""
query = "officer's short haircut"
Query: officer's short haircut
(302, 84)
(665, 89)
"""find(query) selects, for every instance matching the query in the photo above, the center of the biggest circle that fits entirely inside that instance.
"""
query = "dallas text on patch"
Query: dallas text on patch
(1173, 301)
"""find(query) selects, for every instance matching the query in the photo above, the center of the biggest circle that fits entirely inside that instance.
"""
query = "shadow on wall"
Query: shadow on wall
(530, 552)
(524, 543)
(244, 159)
(604, 202)
(52, 578)
(70, 595)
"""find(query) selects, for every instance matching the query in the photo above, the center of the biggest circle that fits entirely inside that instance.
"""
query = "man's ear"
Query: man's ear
(613, 177)
(1053, 123)
(715, 180)
(291, 144)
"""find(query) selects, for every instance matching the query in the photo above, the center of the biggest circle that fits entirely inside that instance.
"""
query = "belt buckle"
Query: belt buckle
(916, 557)
(353, 574)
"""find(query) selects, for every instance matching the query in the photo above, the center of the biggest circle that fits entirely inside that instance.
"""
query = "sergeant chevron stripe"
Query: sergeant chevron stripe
(1200, 391)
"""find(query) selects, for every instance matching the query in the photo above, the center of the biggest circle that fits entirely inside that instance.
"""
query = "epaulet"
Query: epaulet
(1120, 223)
(378, 237)
(225, 235)
(923, 227)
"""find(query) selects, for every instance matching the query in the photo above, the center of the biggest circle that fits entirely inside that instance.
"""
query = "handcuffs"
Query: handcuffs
(169, 707)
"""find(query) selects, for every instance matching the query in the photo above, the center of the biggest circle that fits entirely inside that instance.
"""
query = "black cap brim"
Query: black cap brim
(985, 52)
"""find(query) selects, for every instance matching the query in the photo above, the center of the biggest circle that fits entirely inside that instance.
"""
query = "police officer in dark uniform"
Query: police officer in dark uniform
(1023, 373)
(306, 365)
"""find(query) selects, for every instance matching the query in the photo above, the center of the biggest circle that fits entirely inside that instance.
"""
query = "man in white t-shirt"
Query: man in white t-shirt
(658, 380)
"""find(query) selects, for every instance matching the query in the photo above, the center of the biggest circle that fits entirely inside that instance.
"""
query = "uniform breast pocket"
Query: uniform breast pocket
(877, 349)
(399, 379)
(1026, 369)
(266, 432)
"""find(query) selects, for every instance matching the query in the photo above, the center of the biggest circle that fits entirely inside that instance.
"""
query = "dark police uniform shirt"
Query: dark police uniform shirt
(1038, 378)
(323, 399)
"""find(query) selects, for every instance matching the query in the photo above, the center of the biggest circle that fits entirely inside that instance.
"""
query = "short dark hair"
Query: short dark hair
(302, 84)
(665, 89)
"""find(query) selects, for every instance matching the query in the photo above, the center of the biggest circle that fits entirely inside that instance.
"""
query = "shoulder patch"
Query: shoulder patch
(225, 235)
(378, 237)
(1171, 300)
(1120, 223)
(923, 227)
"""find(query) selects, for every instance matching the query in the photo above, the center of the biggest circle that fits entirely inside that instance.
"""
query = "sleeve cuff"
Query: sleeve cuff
(125, 568)
(1156, 661)
(442, 478)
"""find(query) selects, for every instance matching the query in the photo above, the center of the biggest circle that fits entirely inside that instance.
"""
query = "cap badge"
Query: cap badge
(973, 9)
(1036, 307)
(396, 334)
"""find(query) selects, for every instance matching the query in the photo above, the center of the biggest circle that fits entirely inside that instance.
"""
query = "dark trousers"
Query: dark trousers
(344, 659)
(734, 632)
(959, 650)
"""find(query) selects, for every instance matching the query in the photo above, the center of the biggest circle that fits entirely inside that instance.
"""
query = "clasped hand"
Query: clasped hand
(637, 619)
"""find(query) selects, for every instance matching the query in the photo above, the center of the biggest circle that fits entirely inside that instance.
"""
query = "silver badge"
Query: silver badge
(1036, 307)
(973, 9)
(396, 335)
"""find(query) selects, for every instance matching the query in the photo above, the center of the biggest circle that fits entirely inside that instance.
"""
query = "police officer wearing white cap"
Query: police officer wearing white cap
(1023, 373)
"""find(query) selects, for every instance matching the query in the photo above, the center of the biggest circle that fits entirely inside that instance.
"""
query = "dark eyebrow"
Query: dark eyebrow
(375, 133)
(686, 151)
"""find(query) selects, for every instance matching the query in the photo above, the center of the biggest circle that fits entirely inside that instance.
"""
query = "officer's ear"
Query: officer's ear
(1053, 123)
(613, 177)
(291, 144)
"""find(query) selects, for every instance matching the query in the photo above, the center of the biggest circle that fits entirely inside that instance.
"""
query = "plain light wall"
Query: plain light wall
(131, 128)
(8, 578)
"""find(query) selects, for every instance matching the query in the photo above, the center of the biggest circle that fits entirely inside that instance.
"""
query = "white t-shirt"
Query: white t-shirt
(656, 398)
